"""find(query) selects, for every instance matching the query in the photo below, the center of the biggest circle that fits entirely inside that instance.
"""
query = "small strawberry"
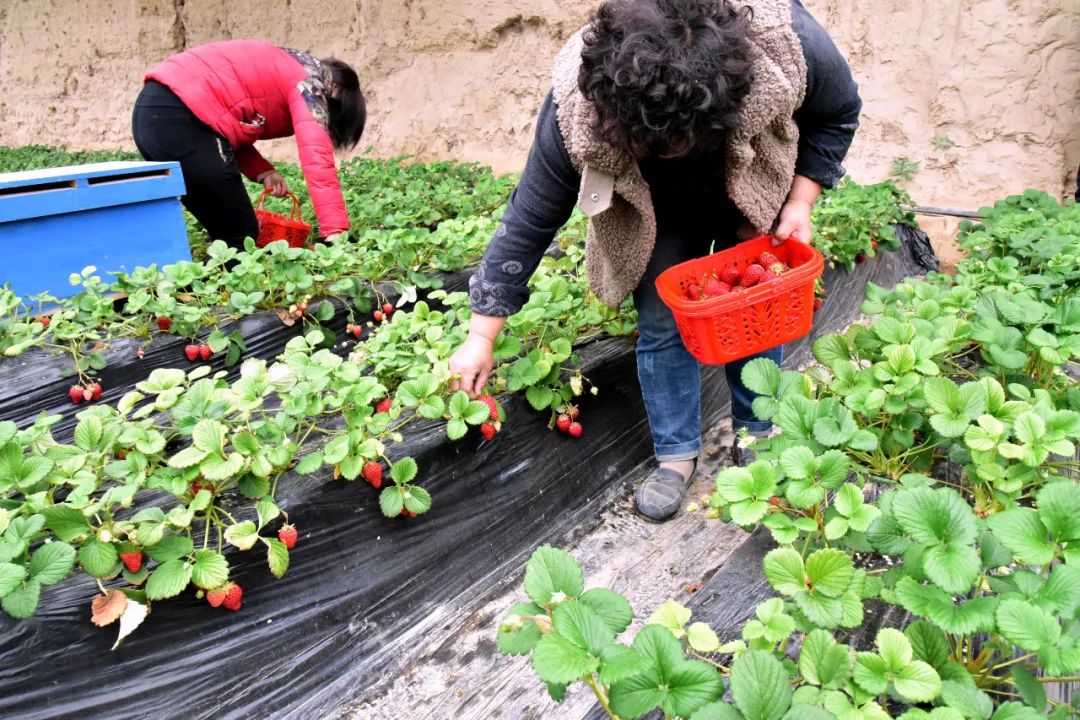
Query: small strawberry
(205, 352)
(715, 287)
(818, 302)
(575, 430)
(767, 259)
(164, 323)
(387, 308)
(752, 276)
(730, 276)
(132, 560)
(873, 244)
(860, 258)
(95, 391)
(407, 513)
(378, 316)
(373, 474)
(140, 353)
(774, 501)
(288, 534)
(233, 596)
(563, 422)
(488, 431)
(693, 291)
(383, 406)
(76, 394)
(45, 321)
(301, 308)
(493, 407)
(573, 412)
(217, 596)
(357, 331)
(191, 352)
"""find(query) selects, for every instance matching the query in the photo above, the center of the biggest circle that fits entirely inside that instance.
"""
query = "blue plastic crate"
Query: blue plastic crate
(115, 216)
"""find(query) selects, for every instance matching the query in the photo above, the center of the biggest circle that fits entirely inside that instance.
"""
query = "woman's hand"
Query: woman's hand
(274, 183)
(794, 221)
(794, 217)
(471, 365)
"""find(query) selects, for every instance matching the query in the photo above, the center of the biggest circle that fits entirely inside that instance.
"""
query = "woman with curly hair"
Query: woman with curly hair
(677, 125)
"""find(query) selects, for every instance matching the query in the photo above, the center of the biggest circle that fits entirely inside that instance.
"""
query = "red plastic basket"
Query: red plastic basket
(275, 226)
(743, 323)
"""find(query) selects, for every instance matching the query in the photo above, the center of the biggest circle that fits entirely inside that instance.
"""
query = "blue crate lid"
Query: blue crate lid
(56, 191)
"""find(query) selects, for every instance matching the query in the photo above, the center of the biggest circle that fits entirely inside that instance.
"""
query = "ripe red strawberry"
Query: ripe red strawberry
(493, 407)
(288, 534)
(383, 406)
(818, 302)
(873, 244)
(373, 474)
(76, 394)
(95, 391)
(693, 291)
(752, 276)
(132, 560)
(575, 430)
(378, 316)
(860, 258)
(563, 422)
(164, 323)
(205, 352)
(233, 596)
(767, 259)
(715, 287)
(387, 308)
(407, 513)
(217, 596)
(774, 500)
(488, 431)
(357, 331)
(45, 321)
(730, 276)
(191, 352)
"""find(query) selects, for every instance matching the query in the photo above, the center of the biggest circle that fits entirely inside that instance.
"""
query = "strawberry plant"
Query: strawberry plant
(853, 220)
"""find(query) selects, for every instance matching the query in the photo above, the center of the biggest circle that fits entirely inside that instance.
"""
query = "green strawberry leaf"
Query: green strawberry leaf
(210, 569)
(611, 607)
(557, 660)
(517, 636)
(98, 559)
(760, 686)
(168, 580)
(51, 563)
(277, 557)
(22, 602)
(550, 571)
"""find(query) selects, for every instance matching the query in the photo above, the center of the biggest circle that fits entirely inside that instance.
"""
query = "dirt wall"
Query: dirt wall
(983, 94)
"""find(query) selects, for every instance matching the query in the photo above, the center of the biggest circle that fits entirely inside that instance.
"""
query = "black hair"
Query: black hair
(348, 111)
(666, 76)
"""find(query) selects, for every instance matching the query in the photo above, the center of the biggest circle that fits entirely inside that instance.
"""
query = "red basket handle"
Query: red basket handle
(294, 214)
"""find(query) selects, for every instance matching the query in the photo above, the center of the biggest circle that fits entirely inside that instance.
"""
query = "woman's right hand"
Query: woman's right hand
(471, 365)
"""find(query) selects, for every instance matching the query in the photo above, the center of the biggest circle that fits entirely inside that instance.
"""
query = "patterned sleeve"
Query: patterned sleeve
(539, 206)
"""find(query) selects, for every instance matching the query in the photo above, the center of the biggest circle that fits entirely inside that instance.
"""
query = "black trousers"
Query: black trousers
(165, 129)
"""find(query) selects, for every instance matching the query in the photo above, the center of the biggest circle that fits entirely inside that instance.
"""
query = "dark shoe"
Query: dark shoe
(662, 493)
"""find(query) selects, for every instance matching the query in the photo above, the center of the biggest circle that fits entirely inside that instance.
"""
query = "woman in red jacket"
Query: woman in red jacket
(207, 106)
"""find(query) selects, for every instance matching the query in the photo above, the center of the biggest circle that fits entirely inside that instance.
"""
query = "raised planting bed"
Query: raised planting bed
(366, 596)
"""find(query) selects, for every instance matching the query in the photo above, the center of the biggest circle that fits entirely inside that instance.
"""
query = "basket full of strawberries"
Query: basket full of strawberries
(743, 300)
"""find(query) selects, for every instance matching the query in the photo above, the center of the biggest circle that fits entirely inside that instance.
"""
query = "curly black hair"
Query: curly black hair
(666, 77)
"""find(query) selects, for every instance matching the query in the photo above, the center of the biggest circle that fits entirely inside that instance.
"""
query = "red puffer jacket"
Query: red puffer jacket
(248, 91)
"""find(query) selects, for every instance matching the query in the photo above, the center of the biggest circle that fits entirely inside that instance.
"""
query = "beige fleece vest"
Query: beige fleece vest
(759, 157)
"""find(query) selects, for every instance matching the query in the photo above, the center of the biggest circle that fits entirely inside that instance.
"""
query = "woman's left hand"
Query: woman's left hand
(794, 221)
(275, 183)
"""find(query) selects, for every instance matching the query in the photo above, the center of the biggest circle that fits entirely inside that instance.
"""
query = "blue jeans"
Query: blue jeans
(670, 377)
